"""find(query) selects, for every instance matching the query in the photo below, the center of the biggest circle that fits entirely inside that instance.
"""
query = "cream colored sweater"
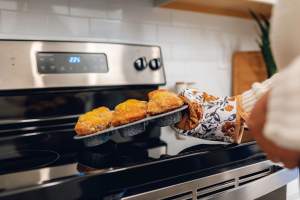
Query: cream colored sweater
(283, 117)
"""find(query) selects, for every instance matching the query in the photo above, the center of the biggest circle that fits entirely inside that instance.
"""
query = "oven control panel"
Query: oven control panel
(34, 64)
(57, 63)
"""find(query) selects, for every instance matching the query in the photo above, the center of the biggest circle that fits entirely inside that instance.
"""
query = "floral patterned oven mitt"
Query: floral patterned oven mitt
(210, 117)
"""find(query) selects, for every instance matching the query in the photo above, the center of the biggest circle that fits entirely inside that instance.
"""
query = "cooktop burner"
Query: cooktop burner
(22, 160)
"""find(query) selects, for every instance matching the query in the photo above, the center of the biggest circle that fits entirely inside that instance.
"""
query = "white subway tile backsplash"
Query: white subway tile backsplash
(115, 12)
(141, 3)
(247, 42)
(195, 52)
(50, 6)
(23, 23)
(103, 28)
(197, 37)
(190, 19)
(136, 13)
(118, 9)
(188, 35)
(205, 74)
(123, 31)
(13, 4)
(88, 8)
(68, 26)
(166, 50)
(209, 21)
(170, 34)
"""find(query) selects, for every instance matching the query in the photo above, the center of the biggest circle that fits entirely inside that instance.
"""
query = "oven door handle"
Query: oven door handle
(259, 187)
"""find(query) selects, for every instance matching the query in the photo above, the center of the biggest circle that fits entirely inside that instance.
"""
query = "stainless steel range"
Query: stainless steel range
(45, 85)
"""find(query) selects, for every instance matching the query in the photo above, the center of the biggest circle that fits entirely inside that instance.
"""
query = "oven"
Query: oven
(46, 85)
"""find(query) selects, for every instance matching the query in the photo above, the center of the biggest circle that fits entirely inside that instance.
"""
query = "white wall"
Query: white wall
(196, 47)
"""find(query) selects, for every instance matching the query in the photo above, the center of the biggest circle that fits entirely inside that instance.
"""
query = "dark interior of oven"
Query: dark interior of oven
(40, 120)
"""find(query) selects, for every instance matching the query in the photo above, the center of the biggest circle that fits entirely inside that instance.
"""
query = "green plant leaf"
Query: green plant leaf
(264, 42)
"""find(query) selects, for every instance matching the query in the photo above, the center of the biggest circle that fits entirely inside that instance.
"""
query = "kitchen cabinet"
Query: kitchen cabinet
(236, 8)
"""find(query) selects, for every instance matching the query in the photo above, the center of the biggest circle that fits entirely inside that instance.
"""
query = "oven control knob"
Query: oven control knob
(155, 64)
(140, 63)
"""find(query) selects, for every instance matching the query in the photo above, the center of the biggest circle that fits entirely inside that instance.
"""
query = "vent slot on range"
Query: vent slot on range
(254, 176)
(216, 188)
(182, 196)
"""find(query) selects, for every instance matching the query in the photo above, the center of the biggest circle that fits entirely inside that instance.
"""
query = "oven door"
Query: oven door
(247, 183)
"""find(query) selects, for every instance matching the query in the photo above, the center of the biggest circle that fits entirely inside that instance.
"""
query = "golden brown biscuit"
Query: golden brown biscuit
(129, 111)
(93, 121)
(161, 101)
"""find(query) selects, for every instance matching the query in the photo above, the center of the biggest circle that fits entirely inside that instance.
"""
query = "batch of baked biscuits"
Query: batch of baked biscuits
(99, 119)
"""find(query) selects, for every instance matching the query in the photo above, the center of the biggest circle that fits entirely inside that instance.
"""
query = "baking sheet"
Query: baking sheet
(134, 128)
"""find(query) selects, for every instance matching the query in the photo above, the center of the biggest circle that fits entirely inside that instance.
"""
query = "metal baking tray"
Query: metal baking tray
(134, 128)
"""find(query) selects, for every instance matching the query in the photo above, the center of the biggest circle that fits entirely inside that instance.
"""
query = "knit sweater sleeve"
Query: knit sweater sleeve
(283, 116)
(250, 97)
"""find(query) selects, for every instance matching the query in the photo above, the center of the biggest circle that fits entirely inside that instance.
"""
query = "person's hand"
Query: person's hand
(274, 152)
(210, 117)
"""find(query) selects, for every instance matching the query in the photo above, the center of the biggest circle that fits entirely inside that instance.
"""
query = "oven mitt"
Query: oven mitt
(211, 118)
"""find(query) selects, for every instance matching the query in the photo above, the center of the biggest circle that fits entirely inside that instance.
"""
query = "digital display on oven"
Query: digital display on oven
(74, 59)
(64, 63)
